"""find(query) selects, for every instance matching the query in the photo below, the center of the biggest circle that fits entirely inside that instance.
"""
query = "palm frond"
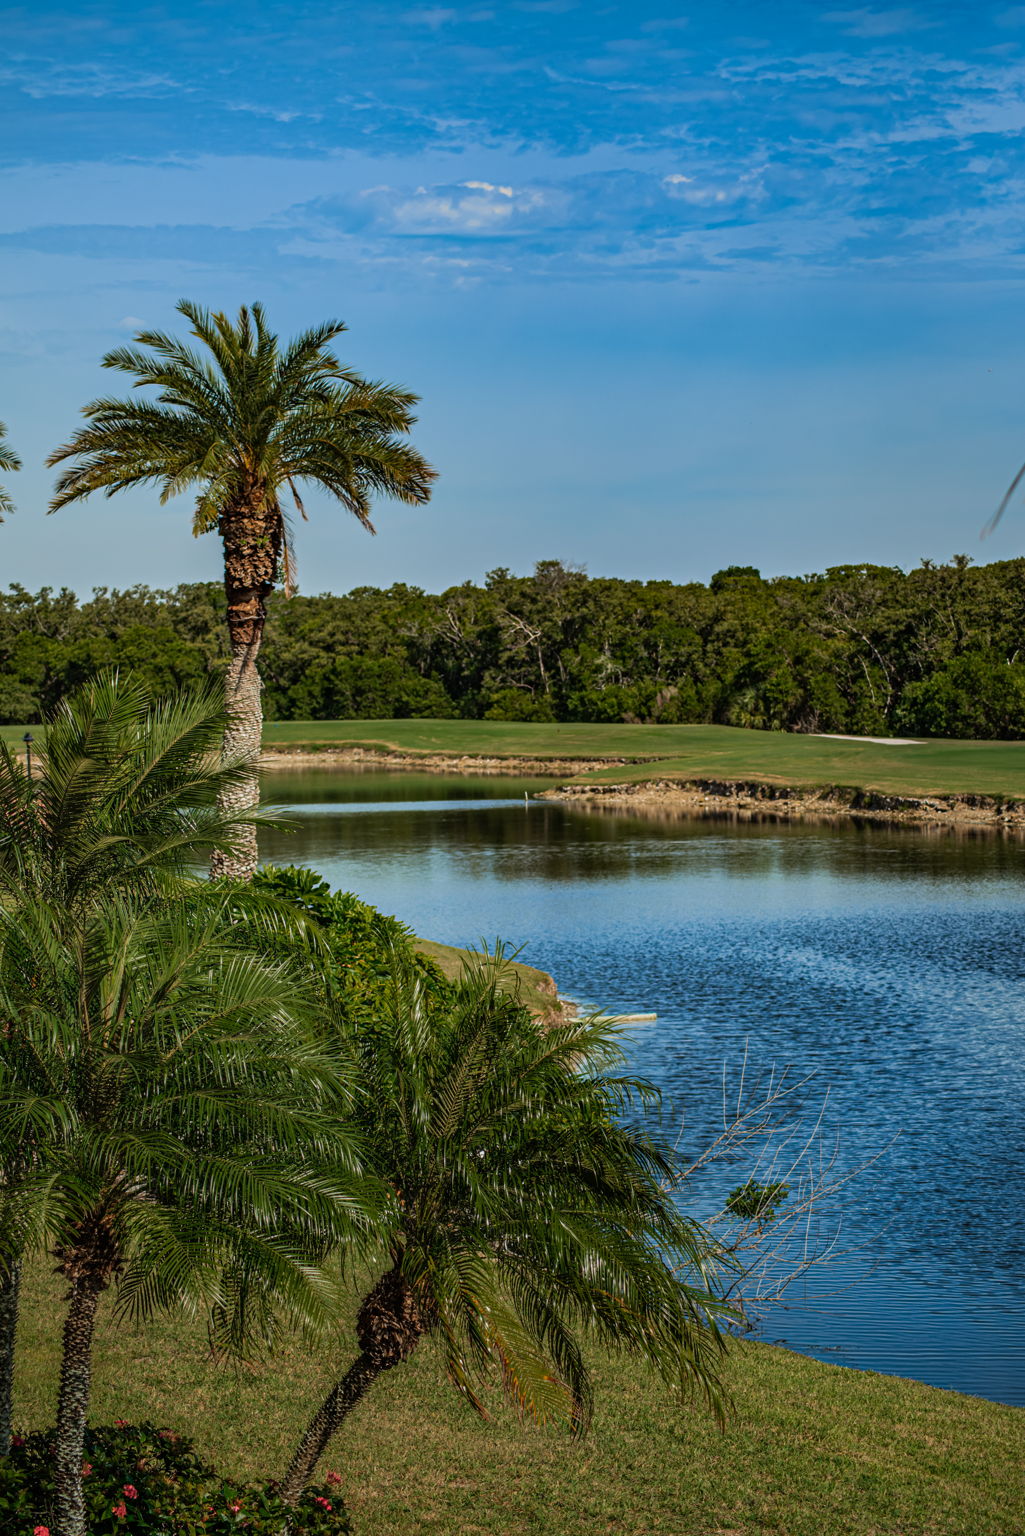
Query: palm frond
(9, 462)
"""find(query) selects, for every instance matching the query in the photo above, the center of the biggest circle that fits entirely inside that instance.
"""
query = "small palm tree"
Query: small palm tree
(531, 1215)
(243, 423)
(9, 461)
(189, 1127)
(128, 793)
(124, 801)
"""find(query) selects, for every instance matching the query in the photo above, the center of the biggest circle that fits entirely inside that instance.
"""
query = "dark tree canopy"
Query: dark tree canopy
(872, 650)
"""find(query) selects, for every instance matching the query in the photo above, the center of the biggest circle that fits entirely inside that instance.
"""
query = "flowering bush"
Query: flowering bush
(141, 1480)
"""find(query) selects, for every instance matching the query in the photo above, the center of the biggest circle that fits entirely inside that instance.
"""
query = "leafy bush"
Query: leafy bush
(147, 1481)
(756, 1202)
(361, 940)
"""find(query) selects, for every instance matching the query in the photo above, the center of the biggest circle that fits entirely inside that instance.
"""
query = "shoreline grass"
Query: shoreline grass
(535, 989)
(811, 1450)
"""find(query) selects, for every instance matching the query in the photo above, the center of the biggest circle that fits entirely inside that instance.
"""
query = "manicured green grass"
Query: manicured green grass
(693, 751)
(811, 1450)
(527, 982)
(682, 751)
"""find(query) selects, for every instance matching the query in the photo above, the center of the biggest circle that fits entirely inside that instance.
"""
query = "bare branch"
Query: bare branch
(787, 1219)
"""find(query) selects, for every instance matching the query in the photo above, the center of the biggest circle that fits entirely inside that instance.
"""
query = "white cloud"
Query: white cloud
(710, 194)
(488, 186)
(475, 214)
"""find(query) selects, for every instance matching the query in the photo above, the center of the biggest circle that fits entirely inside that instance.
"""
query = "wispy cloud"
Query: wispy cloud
(41, 79)
(276, 114)
(869, 23)
(432, 17)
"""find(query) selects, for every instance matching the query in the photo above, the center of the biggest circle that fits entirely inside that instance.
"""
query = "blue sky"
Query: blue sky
(680, 285)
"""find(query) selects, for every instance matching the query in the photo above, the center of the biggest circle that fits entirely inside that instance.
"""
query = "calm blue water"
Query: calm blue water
(890, 963)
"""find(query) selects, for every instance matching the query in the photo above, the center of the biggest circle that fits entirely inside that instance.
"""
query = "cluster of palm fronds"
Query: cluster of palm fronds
(189, 1120)
(8, 461)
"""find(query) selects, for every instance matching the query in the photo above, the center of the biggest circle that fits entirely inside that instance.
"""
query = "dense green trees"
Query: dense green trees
(867, 649)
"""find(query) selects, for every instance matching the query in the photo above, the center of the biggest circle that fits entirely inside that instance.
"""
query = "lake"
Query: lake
(889, 962)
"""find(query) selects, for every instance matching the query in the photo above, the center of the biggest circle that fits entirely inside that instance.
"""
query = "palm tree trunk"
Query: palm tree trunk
(327, 1420)
(252, 542)
(242, 736)
(10, 1285)
(73, 1404)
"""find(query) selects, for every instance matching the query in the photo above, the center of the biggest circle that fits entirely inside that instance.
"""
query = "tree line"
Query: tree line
(866, 649)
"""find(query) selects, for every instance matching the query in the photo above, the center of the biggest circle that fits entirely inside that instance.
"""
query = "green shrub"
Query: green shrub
(361, 940)
(141, 1480)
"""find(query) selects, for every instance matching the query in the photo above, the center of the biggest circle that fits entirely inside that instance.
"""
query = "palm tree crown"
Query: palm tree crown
(9, 461)
(124, 797)
(242, 424)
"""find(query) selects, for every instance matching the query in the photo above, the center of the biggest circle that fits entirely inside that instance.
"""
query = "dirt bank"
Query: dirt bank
(435, 762)
(753, 800)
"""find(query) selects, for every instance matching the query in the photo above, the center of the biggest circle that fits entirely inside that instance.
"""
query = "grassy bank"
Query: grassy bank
(536, 989)
(812, 1450)
(683, 751)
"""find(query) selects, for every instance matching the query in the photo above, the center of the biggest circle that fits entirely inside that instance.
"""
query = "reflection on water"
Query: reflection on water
(889, 961)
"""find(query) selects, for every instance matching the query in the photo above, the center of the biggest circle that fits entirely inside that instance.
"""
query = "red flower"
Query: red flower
(120, 1510)
(235, 1507)
(87, 1467)
(120, 1423)
(41, 1530)
(17, 1440)
(333, 1477)
(324, 1503)
(130, 1492)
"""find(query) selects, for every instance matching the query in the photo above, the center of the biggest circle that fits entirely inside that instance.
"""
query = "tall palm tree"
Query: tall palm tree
(9, 461)
(531, 1214)
(243, 422)
(191, 1126)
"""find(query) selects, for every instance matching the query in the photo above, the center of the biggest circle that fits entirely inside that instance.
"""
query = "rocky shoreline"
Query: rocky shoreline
(755, 800)
(672, 799)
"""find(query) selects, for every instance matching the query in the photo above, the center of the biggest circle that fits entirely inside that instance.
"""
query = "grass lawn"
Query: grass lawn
(680, 751)
(812, 1450)
(693, 751)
